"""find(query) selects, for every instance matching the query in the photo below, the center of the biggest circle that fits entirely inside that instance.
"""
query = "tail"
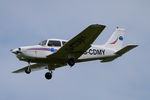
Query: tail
(116, 40)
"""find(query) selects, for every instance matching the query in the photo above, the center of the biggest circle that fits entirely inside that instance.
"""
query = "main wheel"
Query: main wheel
(71, 62)
(27, 70)
(48, 75)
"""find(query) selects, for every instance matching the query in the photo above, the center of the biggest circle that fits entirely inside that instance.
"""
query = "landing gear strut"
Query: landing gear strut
(28, 69)
(71, 62)
(48, 75)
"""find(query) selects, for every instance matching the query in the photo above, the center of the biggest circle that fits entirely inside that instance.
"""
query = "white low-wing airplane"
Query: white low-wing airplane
(54, 53)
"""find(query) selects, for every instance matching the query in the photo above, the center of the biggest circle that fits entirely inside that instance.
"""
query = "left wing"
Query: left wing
(36, 67)
(79, 44)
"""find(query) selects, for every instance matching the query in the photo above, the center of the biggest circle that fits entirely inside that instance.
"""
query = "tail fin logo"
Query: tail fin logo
(119, 38)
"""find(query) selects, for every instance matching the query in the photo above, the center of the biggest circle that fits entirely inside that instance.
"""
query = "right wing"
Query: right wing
(75, 47)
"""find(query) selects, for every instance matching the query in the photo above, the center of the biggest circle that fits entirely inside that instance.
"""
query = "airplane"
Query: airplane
(55, 53)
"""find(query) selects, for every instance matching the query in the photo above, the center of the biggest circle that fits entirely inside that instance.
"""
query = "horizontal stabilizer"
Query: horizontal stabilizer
(125, 49)
(119, 53)
(108, 59)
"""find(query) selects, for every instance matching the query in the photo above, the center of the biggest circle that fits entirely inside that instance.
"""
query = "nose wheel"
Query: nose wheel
(48, 75)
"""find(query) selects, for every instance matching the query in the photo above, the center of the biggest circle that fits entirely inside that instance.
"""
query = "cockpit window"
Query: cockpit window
(43, 43)
(63, 42)
(54, 43)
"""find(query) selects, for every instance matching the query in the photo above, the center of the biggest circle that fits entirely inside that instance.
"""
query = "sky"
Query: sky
(27, 22)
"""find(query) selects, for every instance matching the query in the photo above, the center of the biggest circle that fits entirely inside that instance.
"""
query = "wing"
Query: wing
(79, 44)
(34, 67)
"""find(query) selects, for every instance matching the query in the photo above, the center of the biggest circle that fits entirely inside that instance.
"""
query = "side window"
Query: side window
(43, 43)
(63, 42)
(54, 43)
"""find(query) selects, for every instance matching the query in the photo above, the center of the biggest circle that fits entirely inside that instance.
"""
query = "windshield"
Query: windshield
(43, 43)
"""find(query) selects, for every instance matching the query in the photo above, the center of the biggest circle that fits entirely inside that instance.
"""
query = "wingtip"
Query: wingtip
(13, 72)
(98, 25)
(135, 45)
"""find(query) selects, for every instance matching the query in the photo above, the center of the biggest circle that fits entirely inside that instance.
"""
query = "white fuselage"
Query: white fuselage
(41, 52)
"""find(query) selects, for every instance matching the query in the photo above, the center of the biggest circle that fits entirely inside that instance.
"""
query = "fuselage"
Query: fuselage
(38, 53)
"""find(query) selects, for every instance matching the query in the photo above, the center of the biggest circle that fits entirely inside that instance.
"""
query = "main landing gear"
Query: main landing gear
(48, 75)
(28, 69)
(71, 62)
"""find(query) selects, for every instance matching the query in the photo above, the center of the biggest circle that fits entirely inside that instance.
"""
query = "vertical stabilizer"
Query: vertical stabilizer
(116, 40)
